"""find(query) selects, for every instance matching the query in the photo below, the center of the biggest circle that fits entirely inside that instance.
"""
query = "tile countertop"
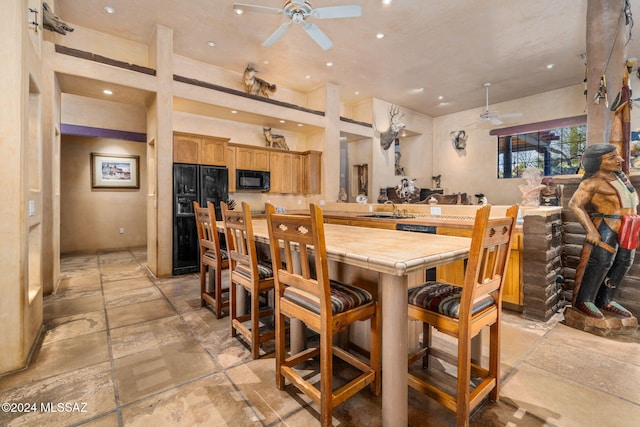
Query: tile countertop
(455, 216)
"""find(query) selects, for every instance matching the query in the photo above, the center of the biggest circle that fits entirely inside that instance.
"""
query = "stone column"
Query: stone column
(606, 55)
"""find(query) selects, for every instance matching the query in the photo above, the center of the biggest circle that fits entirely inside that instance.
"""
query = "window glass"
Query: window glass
(553, 151)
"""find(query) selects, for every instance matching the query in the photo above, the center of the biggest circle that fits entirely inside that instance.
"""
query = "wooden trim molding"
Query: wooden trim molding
(66, 129)
(533, 127)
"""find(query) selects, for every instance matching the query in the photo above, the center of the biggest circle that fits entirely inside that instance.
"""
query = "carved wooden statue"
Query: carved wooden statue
(606, 205)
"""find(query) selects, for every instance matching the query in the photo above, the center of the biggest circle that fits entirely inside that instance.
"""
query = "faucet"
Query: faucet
(395, 210)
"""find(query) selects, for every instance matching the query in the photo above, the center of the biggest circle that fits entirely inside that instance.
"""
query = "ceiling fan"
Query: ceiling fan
(300, 11)
(493, 116)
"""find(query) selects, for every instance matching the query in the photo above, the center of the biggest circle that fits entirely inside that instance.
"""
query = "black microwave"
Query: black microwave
(247, 180)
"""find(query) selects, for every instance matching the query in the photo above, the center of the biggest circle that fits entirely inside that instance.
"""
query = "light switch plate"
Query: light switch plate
(32, 207)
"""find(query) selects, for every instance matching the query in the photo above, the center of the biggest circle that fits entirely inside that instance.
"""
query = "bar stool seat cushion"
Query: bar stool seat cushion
(265, 270)
(444, 299)
(212, 254)
(343, 297)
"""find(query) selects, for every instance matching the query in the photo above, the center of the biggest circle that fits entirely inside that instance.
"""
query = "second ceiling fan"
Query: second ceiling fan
(299, 12)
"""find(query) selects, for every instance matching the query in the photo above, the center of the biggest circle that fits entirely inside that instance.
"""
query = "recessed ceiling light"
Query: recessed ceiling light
(386, 2)
(234, 111)
(329, 64)
(308, 76)
(265, 62)
(440, 98)
(300, 125)
(211, 43)
(107, 92)
(549, 66)
(282, 121)
(109, 9)
(380, 36)
(356, 93)
(238, 11)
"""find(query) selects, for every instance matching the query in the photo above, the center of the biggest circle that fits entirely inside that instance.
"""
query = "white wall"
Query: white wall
(474, 170)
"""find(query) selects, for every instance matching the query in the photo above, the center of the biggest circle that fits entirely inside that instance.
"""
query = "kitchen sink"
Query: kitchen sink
(387, 215)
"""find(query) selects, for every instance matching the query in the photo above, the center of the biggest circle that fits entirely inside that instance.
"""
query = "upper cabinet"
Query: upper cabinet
(311, 172)
(252, 158)
(201, 150)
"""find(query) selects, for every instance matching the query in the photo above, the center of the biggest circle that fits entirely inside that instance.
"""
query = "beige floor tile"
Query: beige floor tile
(66, 291)
(132, 296)
(145, 336)
(560, 402)
(61, 357)
(107, 257)
(212, 401)
(109, 420)
(61, 328)
(160, 369)
(80, 277)
(68, 307)
(589, 368)
(136, 313)
(84, 394)
(126, 284)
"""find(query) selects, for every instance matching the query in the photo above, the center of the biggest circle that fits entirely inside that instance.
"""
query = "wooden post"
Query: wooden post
(606, 56)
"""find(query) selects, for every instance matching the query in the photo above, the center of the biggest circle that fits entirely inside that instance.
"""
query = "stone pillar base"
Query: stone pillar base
(610, 325)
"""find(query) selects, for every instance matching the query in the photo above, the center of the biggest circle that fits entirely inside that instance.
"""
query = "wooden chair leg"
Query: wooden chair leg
(233, 314)
(464, 377)
(374, 355)
(203, 284)
(255, 320)
(426, 343)
(494, 359)
(217, 286)
(281, 350)
(326, 373)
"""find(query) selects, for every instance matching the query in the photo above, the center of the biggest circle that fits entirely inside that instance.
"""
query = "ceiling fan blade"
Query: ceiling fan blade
(347, 11)
(495, 121)
(317, 35)
(277, 34)
(241, 8)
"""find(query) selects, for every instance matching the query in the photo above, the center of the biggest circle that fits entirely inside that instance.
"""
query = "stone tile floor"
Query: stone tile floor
(121, 347)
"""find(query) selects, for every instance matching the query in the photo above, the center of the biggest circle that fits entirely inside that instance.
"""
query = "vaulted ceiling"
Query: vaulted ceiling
(430, 48)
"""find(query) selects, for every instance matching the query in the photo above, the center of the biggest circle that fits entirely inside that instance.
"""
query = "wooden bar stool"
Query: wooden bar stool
(327, 307)
(461, 311)
(213, 259)
(247, 271)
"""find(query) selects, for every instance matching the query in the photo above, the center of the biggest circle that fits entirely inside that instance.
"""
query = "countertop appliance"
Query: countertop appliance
(194, 183)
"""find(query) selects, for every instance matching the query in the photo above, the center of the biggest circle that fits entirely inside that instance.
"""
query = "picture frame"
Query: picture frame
(115, 171)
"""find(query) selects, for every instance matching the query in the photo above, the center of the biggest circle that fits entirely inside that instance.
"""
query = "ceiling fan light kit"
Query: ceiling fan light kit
(299, 12)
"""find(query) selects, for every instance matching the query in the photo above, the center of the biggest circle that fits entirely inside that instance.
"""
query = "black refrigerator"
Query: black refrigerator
(194, 183)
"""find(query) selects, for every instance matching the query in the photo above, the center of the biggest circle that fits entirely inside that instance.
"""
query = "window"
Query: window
(554, 147)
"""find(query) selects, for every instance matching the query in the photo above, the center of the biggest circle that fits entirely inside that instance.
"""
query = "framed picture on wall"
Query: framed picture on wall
(114, 171)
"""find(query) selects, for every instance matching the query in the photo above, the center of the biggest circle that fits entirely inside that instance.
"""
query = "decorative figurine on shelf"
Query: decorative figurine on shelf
(342, 196)
(606, 205)
(274, 141)
(531, 190)
(481, 198)
(550, 194)
(383, 197)
(436, 180)
(407, 191)
(255, 86)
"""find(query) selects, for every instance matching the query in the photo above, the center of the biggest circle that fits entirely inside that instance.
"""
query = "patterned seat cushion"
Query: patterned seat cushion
(343, 297)
(264, 270)
(212, 254)
(444, 299)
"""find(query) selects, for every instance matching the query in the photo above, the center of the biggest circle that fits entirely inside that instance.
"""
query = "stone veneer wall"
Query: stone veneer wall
(572, 238)
(542, 248)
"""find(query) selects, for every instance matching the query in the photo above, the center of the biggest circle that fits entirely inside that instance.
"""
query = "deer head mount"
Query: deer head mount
(388, 136)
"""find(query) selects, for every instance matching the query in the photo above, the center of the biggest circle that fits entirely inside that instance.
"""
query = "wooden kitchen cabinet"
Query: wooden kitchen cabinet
(281, 167)
(252, 158)
(311, 172)
(231, 166)
(196, 149)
